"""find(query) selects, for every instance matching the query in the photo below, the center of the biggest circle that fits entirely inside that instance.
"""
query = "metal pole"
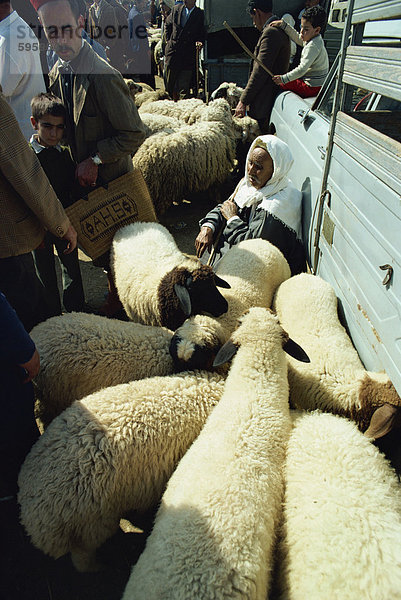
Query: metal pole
(336, 106)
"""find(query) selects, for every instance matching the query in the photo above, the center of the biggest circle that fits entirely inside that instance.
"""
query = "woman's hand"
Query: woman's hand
(204, 241)
(229, 209)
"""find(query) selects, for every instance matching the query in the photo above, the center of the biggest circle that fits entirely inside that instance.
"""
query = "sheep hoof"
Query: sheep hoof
(85, 561)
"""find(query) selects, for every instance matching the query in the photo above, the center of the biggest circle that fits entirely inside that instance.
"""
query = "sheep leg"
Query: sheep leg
(84, 560)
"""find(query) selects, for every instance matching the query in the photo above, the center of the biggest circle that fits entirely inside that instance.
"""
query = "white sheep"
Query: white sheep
(82, 353)
(230, 91)
(169, 172)
(335, 380)
(254, 269)
(142, 93)
(215, 530)
(158, 284)
(181, 110)
(106, 454)
(341, 534)
(209, 135)
(154, 123)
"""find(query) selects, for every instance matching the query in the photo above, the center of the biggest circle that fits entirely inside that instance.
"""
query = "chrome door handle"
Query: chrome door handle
(322, 151)
(304, 114)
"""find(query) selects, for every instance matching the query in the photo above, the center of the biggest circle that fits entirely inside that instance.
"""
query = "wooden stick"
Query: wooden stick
(251, 54)
(213, 252)
(197, 71)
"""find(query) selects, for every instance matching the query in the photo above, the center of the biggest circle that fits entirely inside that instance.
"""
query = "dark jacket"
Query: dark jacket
(18, 430)
(273, 50)
(180, 48)
(255, 222)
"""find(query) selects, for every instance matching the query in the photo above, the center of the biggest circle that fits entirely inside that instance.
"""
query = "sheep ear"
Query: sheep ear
(226, 352)
(184, 298)
(221, 283)
(382, 421)
(295, 350)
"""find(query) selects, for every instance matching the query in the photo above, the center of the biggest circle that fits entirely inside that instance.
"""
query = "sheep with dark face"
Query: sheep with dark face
(157, 283)
(335, 380)
(215, 531)
(254, 269)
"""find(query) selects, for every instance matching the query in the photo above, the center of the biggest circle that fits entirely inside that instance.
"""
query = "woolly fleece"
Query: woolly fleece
(82, 353)
(215, 530)
(142, 254)
(342, 528)
(109, 453)
(254, 269)
(335, 379)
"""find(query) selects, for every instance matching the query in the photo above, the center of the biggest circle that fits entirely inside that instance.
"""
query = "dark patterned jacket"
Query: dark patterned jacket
(180, 48)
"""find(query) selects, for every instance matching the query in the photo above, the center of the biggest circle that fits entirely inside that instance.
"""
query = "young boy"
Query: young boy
(308, 77)
(48, 120)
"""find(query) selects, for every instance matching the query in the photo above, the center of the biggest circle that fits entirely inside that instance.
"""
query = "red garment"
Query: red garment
(301, 88)
(38, 3)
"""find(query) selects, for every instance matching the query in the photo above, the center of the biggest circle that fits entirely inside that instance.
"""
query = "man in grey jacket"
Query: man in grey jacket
(274, 52)
(104, 129)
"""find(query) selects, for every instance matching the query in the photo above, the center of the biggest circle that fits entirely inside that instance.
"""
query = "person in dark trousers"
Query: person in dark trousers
(19, 364)
(273, 50)
(28, 207)
(48, 120)
(185, 33)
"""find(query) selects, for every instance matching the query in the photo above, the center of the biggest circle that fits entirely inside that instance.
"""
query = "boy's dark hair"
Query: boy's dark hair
(317, 16)
(263, 5)
(47, 104)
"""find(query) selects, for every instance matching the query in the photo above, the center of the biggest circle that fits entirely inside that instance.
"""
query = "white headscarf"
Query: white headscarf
(279, 196)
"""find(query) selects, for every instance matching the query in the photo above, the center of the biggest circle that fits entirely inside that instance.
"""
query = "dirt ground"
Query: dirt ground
(27, 574)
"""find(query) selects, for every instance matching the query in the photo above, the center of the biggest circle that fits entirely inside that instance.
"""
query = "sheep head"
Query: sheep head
(254, 325)
(379, 408)
(182, 293)
(195, 344)
(230, 91)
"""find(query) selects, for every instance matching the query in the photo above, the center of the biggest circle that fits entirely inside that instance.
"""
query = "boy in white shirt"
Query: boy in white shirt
(308, 77)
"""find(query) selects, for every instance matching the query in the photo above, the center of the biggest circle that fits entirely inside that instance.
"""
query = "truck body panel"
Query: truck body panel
(352, 198)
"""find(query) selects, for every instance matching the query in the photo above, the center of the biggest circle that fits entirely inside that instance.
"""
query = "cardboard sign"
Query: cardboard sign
(99, 215)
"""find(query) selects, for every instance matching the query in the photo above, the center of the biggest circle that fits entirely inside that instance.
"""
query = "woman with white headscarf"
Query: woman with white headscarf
(265, 205)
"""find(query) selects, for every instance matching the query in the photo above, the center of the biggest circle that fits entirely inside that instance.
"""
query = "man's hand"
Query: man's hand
(31, 367)
(199, 45)
(276, 23)
(86, 173)
(229, 209)
(204, 241)
(240, 110)
(277, 79)
(71, 237)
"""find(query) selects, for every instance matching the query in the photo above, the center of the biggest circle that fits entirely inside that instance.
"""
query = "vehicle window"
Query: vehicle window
(325, 105)
(379, 112)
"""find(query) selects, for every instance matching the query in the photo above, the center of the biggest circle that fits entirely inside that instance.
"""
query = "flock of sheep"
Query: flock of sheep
(267, 485)
(190, 146)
